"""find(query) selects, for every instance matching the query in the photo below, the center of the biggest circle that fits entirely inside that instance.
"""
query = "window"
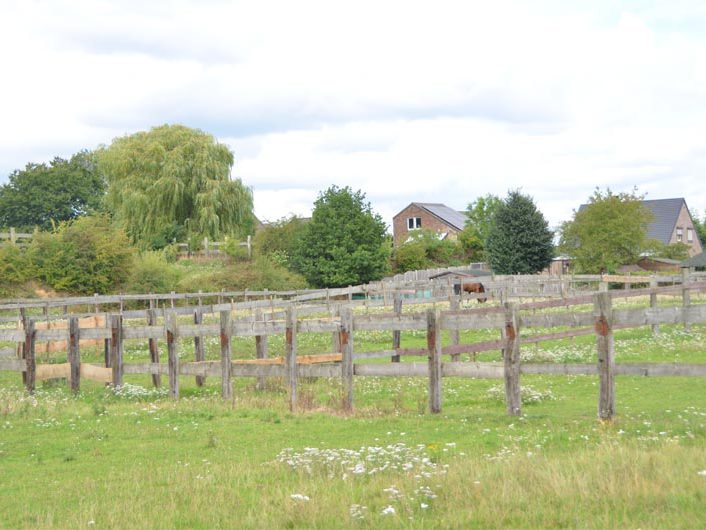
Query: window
(680, 235)
(689, 235)
(414, 223)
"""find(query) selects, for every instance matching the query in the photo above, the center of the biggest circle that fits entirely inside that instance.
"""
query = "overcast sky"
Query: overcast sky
(437, 101)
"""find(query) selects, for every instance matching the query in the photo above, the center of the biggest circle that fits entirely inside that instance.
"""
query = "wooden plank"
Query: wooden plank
(472, 319)
(74, 356)
(116, 349)
(28, 354)
(290, 355)
(408, 321)
(13, 365)
(606, 356)
(171, 331)
(96, 373)
(511, 360)
(346, 334)
(434, 350)
(226, 330)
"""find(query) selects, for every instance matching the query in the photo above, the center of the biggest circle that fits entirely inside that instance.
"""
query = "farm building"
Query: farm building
(671, 223)
(437, 217)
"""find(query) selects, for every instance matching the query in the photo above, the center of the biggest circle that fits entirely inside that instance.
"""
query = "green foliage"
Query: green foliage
(479, 218)
(232, 247)
(424, 250)
(676, 251)
(151, 272)
(519, 240)
(279, 239)
(174, 176)
(609, 232)
(700, 227)
(42, 194)
(344, 243)
(258, 274)
(85, 256)
(13, 268)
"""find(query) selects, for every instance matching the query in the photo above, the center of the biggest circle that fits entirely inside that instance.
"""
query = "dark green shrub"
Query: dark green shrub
(152, 273)
(14, 269)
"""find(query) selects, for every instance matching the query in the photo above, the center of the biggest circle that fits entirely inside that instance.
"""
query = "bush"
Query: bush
(152, 273)
(84, 256)
(13, 268)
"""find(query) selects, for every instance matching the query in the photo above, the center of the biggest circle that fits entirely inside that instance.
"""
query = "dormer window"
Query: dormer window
(414, 223)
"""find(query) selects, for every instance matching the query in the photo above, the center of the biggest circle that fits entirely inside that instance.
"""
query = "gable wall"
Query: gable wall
(429, 222)
(684, 221)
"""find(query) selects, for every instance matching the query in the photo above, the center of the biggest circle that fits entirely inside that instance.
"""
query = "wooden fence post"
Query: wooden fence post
(226, 363)
(152, 343)
(171, 330)
(454, 333)
(396, 334)
(653, 304)
(261, 350)
(511, 360)
(116, 349)
(74, 355)
(336, 335)
(28, 352)
(347, 357)
(290, 353)
(434, 347)
(686, 298)
(606, 355)
(199, 353)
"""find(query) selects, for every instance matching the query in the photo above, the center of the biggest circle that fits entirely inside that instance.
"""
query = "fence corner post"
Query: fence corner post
(606, 355)
(346, 337)
(434, 348)
(511, 360)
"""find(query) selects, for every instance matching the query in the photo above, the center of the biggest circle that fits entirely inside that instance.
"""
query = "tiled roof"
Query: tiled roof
(446, 214)
(695, 261)
(665, 213)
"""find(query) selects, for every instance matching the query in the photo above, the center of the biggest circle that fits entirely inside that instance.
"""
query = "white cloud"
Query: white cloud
(404, 100)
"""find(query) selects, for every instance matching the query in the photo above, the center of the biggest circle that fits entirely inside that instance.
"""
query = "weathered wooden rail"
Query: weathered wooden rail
(592, 314)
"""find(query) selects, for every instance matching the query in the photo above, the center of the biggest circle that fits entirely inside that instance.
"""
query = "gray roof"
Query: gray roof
(665, 213)
(695, 261)
(450, 216)
(470, 273)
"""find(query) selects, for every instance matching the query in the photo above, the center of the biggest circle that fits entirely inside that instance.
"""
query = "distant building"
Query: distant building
(437, 217)
(671, 223)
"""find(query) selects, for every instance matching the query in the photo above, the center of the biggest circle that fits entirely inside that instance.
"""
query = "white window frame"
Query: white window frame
(414, 223)
(680, 234)
(689, 235)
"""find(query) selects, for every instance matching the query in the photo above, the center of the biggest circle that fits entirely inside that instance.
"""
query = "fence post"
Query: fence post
(199, 353)
(226, 365)
(171, 331)
(74, 355)
(116, 349)
(434, 348)
(290, 360)
(152, 343)
(606, 355)
(347, 357)
(336, 335)
(454, 333)
(261, 350)
(686, 298)
(653, 304)
(28, 352)
(511, 360)
(396, 334)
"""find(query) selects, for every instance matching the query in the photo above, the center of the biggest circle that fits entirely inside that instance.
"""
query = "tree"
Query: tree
(424, 250)
(173, 178)
(344, 243)
(519, 240)
(479, 215)
(279, 239)
(42, 194)
(610, 231)
(700, 226)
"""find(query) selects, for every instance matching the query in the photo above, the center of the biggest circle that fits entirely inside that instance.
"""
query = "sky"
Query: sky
(442, 101)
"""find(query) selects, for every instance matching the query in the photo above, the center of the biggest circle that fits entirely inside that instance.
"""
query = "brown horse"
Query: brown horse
(476, 287)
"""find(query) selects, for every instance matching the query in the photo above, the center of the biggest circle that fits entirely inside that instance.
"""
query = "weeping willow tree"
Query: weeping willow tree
(174, 182)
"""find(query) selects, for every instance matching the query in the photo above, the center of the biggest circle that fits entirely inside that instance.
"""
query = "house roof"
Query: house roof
(665, 213)
(695, 261)
(470, 273)
(448, 215)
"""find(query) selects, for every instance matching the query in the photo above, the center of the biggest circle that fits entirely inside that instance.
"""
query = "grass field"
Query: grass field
(135, 459)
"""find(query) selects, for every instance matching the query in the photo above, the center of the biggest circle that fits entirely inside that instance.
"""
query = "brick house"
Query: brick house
(671, 223)
(429, 216)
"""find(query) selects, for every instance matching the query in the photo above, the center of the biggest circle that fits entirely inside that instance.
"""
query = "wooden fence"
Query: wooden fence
(345, 361)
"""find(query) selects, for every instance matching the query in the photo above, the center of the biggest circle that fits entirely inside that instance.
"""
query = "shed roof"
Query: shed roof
(448, 215)
(470, 273)
(665, 213)
(695, 261)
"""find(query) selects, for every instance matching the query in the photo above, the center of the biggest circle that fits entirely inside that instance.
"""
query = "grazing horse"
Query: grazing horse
(476, 287)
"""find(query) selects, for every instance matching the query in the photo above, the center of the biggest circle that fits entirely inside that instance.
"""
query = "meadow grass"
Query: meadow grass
(135, 459)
